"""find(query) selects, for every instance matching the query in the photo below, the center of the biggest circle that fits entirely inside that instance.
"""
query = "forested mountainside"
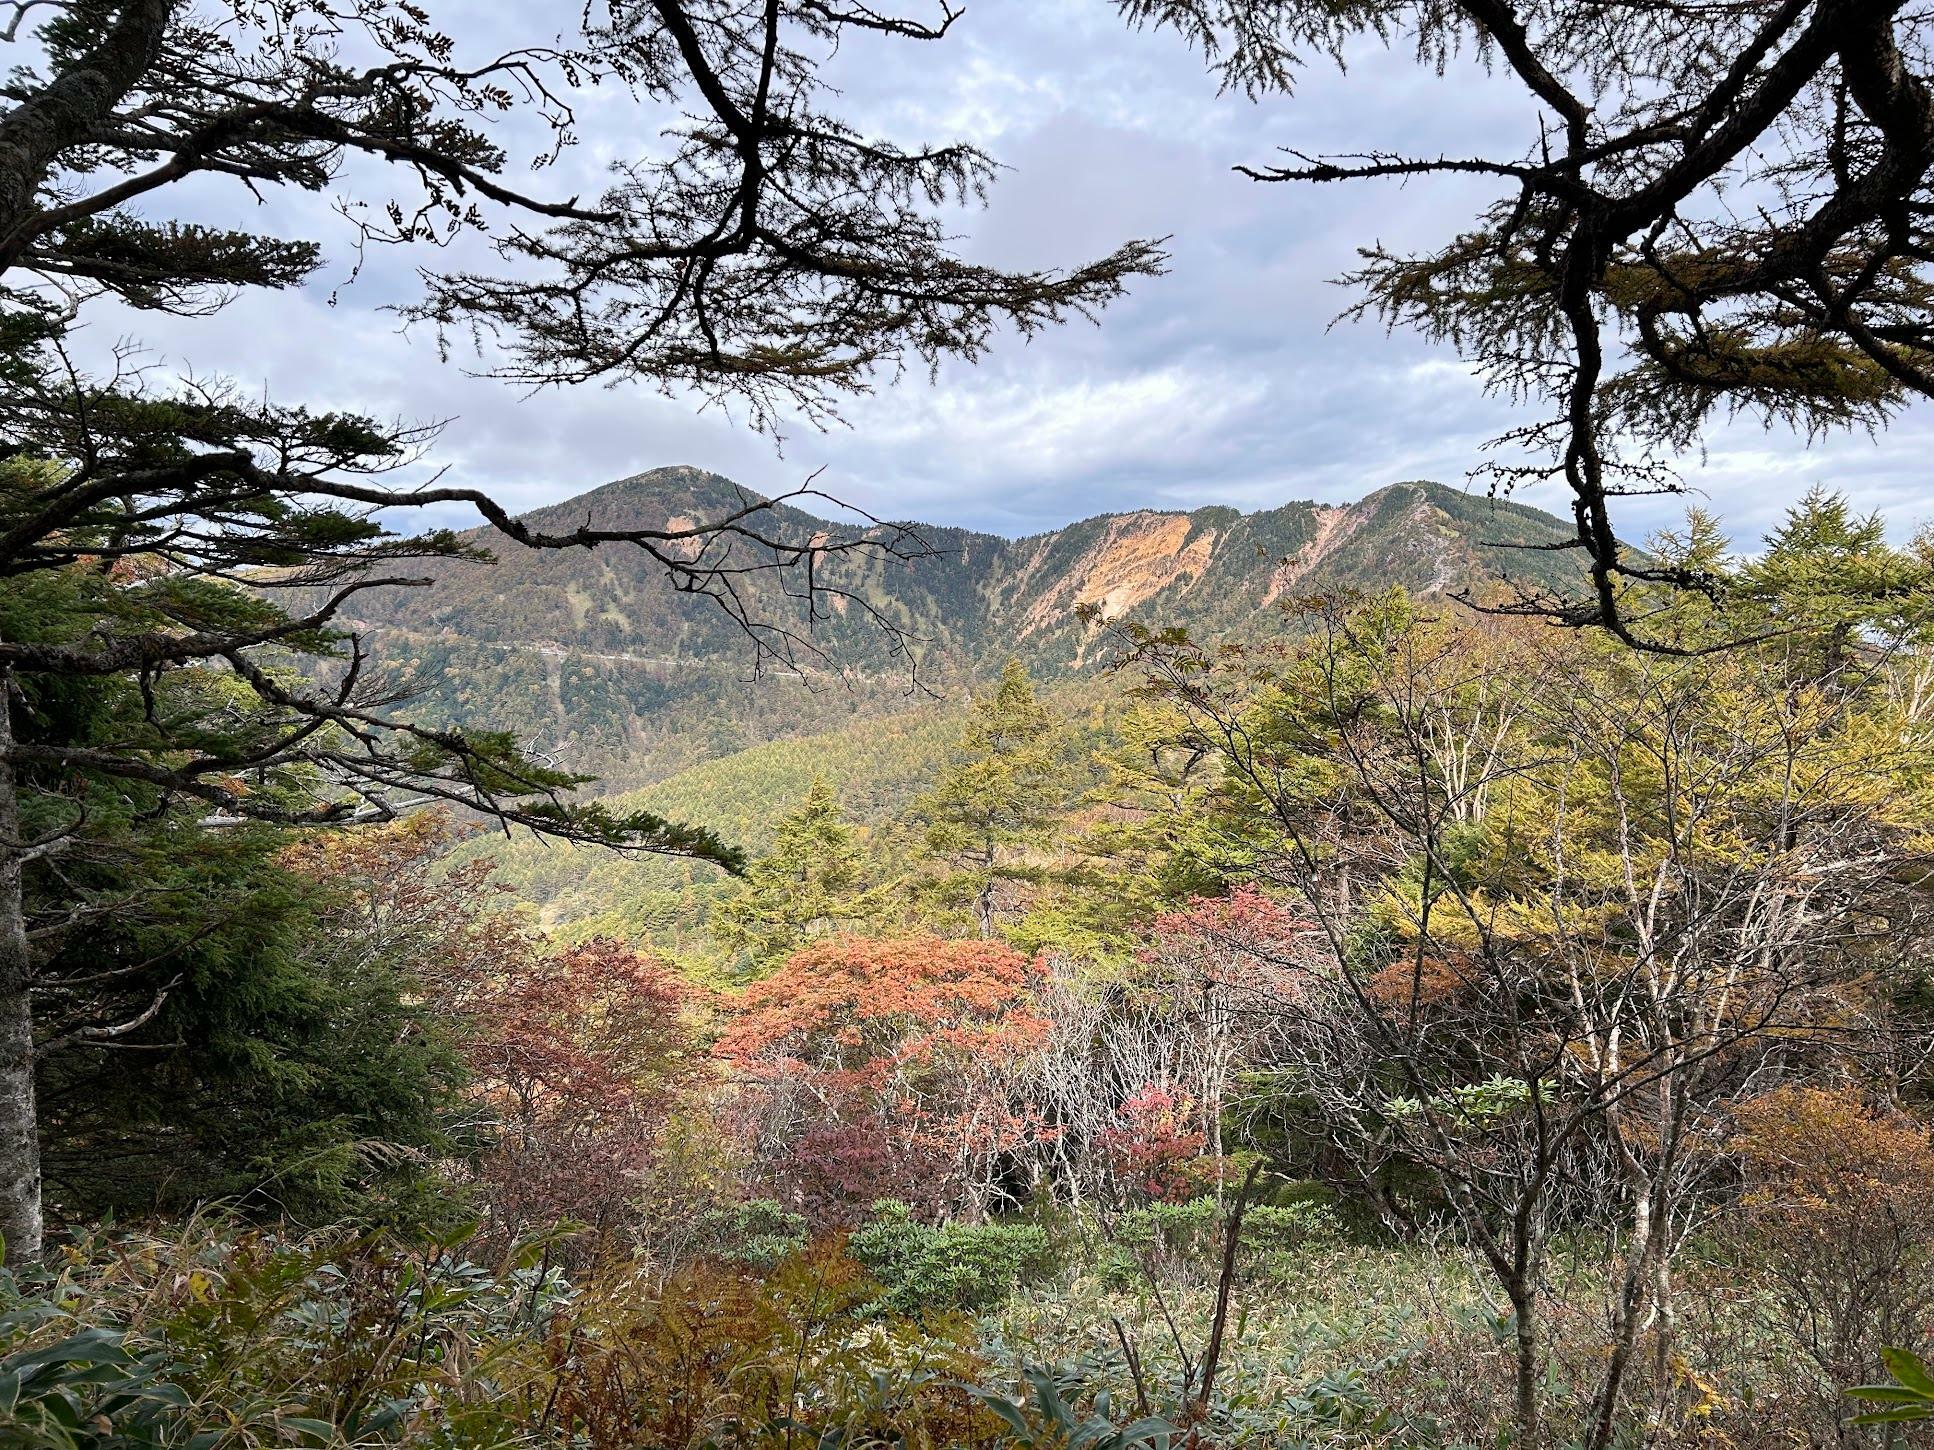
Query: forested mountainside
(875, 766)
(586, 653)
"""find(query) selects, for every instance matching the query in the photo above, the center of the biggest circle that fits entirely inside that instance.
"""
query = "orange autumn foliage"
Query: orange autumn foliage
(1820, 1160)
(715, 1355)
(886, 1068)
(1439, 980)
(854, 1004)
(450, 927)
(1838, 1201)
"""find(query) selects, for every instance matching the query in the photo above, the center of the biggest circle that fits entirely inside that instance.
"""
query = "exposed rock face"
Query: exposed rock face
(1140, 556)
(1335, 524)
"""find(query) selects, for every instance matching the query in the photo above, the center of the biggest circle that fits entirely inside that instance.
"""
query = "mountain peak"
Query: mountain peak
(649, 500)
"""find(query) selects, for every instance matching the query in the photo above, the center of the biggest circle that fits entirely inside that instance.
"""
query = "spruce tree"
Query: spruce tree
(813, 883)
(1001, 793)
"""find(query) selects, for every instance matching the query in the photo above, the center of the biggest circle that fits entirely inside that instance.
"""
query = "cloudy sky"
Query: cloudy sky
(1221, 383)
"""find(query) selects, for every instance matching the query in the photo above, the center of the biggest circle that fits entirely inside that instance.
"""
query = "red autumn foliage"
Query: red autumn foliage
(1245, 942)
(1218, 985)
(1156, 1152)
(581, 1057)
(577, 1059)
(887, 1068)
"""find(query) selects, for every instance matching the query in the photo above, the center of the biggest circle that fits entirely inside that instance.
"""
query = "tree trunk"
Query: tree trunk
(19, 1123)
(1526, 1379)
(1656, 1432)
(1628, 1308)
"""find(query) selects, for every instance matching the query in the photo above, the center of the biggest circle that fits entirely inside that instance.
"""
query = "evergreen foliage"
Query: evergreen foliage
(999, 797)
(1608, 281)
(1491, 946)
(813, 882)
(961, 1267)
(1566, 1003)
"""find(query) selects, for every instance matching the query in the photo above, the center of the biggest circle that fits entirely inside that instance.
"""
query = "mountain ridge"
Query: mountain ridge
(589, 655)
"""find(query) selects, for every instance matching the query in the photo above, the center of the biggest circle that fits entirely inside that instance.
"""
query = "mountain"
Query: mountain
(591, 656)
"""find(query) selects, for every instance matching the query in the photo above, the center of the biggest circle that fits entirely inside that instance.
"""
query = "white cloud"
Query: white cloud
(1059, 426)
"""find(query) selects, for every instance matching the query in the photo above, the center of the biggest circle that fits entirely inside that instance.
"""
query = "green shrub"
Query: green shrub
(924, 1268)
(216, 1339)
(1061, 1405)
(1185, 1239)
(758, 1234)
(1193, 1230)
(87, 1389)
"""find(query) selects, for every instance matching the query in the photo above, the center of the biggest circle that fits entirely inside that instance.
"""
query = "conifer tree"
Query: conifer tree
(1142, 855)
(1835, 581)
(1827, 590)
(1002, 792)
(813, 883)
(1610, 282)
